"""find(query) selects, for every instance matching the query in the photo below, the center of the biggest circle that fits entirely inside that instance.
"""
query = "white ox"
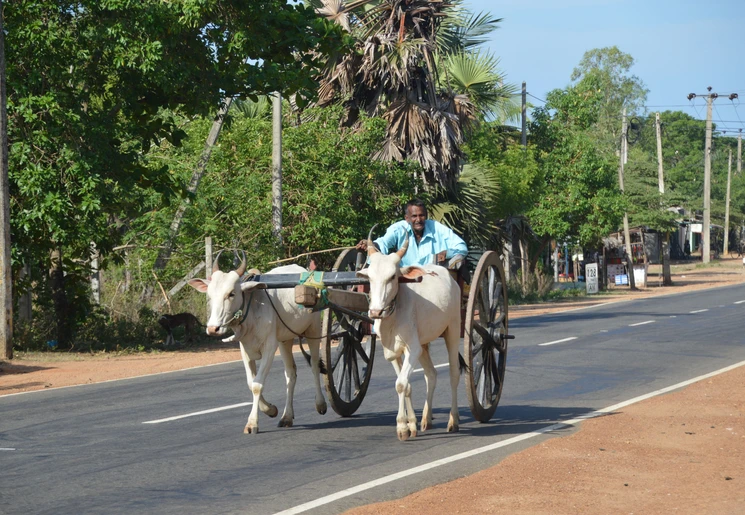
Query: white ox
(408, 316)
(263, 320)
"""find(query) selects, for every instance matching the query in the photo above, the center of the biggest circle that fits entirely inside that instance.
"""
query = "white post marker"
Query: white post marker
(591, 277)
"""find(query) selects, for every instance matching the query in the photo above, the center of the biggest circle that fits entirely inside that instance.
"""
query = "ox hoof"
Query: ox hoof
(412, 429)
(271, 411)
(426, 425)
(403, 434)
(453, 428)
(285, 422)
(251, 430)
(321, 408)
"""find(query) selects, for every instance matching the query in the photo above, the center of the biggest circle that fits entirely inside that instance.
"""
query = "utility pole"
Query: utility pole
(739, 170)
(660, 174)
(277, 167)
(726, 206)
(626, 235)
(666, 278)
(739, 152)
(706, 234)
(524, 104)
(6, 276)
(706, 248)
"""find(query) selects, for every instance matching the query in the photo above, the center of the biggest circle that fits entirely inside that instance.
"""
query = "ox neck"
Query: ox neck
(243, 312)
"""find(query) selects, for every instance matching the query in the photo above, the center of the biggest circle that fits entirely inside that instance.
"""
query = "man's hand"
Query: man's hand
(440, 258)
(361, 246)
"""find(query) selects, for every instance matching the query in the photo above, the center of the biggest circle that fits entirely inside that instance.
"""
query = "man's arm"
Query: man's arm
(390, 240)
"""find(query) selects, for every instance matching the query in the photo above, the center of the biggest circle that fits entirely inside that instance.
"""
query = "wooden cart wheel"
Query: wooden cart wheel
(349, 349)
(485, 337)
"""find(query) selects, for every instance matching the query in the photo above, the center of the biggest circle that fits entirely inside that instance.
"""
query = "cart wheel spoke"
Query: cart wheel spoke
(488, 339)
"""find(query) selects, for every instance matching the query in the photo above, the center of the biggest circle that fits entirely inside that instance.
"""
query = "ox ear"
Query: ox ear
(200, 284)
(365, 272)
(412, 272)
(252, 285)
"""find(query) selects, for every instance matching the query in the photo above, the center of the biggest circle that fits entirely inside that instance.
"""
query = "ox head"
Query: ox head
(383, 274)
(225, 295)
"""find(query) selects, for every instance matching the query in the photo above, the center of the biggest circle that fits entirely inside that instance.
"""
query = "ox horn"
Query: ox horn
(370, 246)
(242, 267)
(216, 265)
(400, 252)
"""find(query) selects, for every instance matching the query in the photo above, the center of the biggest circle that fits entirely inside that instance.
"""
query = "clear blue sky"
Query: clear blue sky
(678, 46)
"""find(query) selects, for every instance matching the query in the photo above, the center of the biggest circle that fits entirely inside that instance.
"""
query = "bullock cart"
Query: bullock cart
(349, 350)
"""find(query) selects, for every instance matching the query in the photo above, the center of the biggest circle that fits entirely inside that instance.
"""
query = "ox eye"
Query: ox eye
(232, 294)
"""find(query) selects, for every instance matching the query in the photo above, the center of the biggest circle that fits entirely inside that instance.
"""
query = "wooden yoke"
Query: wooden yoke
(310, 296)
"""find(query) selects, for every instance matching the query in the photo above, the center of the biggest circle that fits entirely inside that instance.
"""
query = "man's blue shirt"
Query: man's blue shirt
(435, 239)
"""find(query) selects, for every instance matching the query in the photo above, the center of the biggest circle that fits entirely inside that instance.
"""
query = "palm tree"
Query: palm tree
(414, 65)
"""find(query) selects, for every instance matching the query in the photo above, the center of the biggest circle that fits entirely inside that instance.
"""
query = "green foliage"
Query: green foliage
(332, 192)
(93, 86)
(608, 70)
(580, 200)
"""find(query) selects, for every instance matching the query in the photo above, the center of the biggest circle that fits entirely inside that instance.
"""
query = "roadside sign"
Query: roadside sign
(591, 277)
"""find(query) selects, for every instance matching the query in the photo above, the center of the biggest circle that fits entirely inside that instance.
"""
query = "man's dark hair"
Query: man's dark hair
(416, 202)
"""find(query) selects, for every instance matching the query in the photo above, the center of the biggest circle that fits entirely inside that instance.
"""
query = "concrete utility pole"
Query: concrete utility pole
(666, 277)
(626, 234)
(626, 237)
(726, 206)
(525, 135)
(277, 167)
(706, 234)
(6, 276)
(660, 175)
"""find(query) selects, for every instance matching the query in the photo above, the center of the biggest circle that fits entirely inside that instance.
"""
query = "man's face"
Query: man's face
(416, 216)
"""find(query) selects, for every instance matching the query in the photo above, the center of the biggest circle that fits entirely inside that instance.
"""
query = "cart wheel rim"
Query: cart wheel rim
(485, 343)
(349, 351)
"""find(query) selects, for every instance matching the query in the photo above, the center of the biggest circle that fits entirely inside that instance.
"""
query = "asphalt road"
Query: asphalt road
(173, 443)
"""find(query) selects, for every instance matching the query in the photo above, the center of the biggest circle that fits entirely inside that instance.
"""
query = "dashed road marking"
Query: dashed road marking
(213, 410)
(642, 323)
(558, 341)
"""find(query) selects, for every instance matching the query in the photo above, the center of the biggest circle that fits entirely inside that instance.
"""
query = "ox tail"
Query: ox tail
(462, 366)
(321, 364)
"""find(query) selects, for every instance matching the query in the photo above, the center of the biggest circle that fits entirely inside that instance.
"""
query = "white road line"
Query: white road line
(436, 366)
(673, 316)
(213, 410)
(739, 301)
(642, 323)
(558, 341)
(698, 311)
(7, 448)
(487, 448)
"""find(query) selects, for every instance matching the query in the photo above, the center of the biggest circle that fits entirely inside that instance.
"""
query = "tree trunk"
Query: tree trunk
(165, 252)
(59, 298)
(6, 275)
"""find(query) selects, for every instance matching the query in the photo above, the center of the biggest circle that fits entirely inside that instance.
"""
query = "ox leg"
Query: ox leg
(397, 364)
(249, 364)
(314, 346)
(406, 422)
(285, 349)
(430, 377)
(257, 386)
(452, 342)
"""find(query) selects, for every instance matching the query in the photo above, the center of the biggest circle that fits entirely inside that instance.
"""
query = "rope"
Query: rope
(308, 254)
(285, 323)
